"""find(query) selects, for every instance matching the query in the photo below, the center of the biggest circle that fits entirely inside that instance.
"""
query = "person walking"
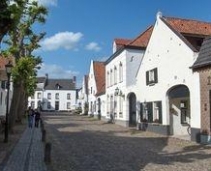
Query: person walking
(37, 118)
(30, 117)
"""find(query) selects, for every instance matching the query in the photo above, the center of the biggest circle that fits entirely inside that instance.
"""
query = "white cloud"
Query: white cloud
(93, 46)
(66, 40)
(56, 71)
(103, 59)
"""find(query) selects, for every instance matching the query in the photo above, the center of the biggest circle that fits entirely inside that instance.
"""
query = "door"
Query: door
(56, 105)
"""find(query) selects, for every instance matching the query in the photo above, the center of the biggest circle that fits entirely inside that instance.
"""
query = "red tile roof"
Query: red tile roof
(99, 72)
(121, 42)
(143, 39)
(187, 26)
(4, 61)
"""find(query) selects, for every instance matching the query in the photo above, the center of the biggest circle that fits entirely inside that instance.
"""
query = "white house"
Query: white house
(54, 94)
(167, 88)
(96, 88)
(83, 95)
(121, 69)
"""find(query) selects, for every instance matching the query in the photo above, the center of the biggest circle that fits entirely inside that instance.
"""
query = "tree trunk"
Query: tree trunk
(14, 107)
(21, 105)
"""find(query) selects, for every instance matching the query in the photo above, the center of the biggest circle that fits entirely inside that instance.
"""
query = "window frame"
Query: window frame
(152, 77)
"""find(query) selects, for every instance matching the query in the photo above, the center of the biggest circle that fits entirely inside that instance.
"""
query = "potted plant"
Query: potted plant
(205, 136)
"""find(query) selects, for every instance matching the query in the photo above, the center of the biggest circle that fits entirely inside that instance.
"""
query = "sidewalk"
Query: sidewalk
(28, 154)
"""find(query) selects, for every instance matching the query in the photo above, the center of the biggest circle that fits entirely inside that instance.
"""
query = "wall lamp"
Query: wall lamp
(118, 92)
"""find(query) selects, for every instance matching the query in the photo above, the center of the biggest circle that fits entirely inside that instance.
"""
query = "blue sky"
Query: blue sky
(81, 30)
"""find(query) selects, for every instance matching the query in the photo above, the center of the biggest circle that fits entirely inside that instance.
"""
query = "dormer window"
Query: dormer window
(58, 87)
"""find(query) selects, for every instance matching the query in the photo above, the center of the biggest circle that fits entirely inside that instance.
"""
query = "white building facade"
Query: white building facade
(167, 89)
(121, 70)
(54, 95)
(83, 95)
(96, 89)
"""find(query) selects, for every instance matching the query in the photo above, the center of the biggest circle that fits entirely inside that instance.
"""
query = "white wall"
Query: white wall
(173, 58)
(92, 86)
(62, 99)
(3, 99)
(130, 59)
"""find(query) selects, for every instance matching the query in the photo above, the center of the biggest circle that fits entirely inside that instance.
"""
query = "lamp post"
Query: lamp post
(8, 71)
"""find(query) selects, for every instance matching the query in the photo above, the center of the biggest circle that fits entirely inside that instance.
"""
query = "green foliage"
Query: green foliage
(25, 71)
(22, 40)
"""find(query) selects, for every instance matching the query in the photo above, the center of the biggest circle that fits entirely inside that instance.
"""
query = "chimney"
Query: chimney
(74, 79)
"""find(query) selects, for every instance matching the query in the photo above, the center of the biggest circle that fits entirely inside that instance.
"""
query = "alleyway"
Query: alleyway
(80, 143)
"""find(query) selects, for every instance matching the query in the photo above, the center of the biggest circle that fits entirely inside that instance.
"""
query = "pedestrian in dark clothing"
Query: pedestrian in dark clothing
(37, 118)
(30, 117)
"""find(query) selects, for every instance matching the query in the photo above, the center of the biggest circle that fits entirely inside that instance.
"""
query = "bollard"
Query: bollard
(47, 155)
(41, 124)
(43, 135)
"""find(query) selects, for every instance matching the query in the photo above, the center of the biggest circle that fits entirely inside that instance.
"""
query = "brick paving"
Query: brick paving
(80, 143)
(28, 154)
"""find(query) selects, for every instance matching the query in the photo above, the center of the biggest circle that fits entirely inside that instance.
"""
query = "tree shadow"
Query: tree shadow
(115, 150)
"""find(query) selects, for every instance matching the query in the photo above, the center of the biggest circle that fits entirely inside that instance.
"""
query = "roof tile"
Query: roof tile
(190, 26)
(99, 72)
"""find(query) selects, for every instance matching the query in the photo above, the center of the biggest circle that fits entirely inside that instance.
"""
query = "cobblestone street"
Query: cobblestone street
(80, 143)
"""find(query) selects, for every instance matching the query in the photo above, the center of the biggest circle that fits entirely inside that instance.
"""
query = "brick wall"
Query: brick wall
(205, 87)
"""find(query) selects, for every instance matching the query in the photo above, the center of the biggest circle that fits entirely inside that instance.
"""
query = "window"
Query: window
(111, 77)
(108, 106)
(120, 106)
(68, 105)
(120, 72)
(184, 112)
(107, 79)
(152, 77)
(39, 95)
(49, 105)
(49, 95)
(115, 105)
(94, 106)
(115, 75)
(91, 91)
(68, 96)
(151, 111)
(57, 96)
(157, 113)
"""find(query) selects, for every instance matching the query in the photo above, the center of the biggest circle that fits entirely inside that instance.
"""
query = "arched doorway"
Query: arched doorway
(132, 109)
(179, 110)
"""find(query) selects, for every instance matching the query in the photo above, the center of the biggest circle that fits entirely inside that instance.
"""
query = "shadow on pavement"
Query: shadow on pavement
(111, 148)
